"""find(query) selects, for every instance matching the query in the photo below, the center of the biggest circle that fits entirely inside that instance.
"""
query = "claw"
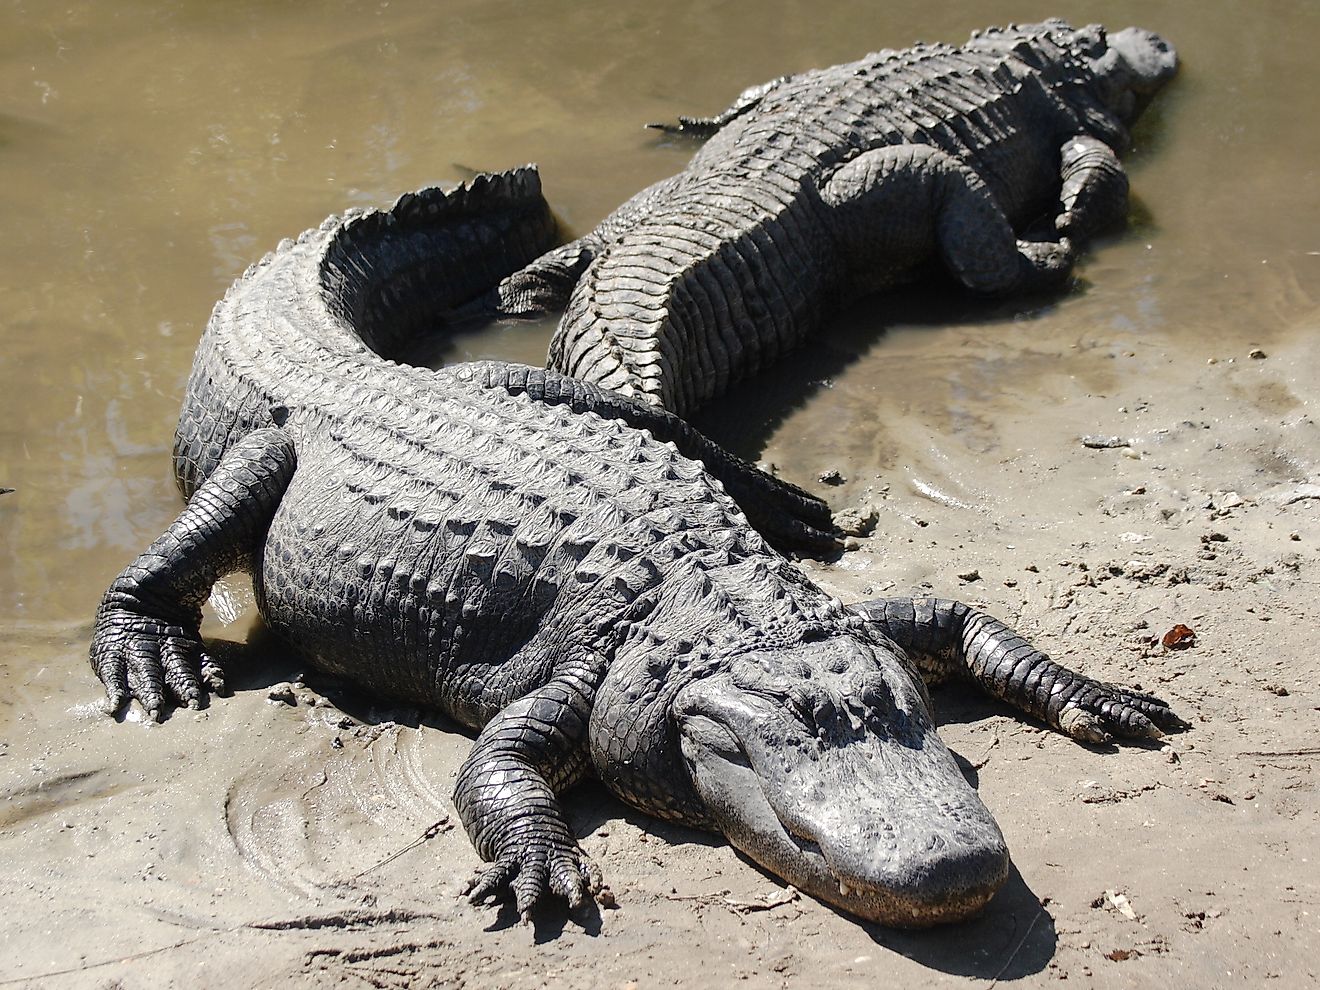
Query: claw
(1083, 726)
(491, 879)
(528, 887)
(140, 656)
(533, 871)
(213, 677)
(113, 702)
(1100, 712)
(568, 882)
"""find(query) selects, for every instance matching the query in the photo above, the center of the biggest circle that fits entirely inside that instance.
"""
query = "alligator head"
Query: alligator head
(821, 762)
(1132, 68)
(1121, 70)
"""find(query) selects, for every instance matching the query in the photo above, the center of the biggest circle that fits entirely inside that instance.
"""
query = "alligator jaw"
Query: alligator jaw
(880, 828)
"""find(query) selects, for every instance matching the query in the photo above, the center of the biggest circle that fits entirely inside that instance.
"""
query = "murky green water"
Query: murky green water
(148, 152)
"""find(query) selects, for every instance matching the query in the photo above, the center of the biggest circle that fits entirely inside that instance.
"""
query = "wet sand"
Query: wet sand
(146, 157)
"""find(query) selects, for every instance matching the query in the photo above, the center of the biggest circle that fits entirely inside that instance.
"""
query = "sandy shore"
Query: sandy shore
(312, 843)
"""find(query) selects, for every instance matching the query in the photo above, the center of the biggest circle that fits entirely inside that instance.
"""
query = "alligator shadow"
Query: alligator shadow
(963, 704)
(747, 416)
(1012, 938)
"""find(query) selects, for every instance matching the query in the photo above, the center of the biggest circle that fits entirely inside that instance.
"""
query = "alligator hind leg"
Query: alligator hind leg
(903, 201)
(505, 793)
(793, 520)
(147, 643)
(946, 638)
(543, 285)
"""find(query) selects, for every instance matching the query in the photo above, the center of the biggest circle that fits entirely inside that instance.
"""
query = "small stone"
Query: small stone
(970, 576)
(606, 899)
(859, 521)
(1104, 443)
(1256, 353)
(336, 743)
(832, 477)
(283, 692)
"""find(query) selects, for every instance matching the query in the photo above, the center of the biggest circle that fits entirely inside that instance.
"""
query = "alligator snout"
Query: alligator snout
(831, 775)
(1150, 59)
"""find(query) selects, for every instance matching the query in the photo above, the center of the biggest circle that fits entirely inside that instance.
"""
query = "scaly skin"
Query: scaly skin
(531, 556)
(816, 188)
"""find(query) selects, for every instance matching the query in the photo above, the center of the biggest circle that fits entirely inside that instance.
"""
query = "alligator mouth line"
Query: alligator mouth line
(811, 851)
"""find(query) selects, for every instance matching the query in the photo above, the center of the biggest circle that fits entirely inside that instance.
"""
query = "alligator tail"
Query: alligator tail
(360, 288)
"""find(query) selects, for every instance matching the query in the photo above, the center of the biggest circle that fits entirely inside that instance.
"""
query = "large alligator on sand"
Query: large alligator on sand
(549, 563)
(820, 187)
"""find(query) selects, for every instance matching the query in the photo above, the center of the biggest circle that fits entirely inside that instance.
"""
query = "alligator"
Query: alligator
(566, 571)
(817, 188)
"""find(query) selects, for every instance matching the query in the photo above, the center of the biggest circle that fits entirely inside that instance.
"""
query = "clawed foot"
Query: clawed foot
(538, 868)
(1045, 263)
(156, 661)
(1096, 713)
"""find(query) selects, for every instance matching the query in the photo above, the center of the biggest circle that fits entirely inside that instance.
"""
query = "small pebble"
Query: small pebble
(832, 477)
(1104, 443)
(859, 521)
(1256, 353)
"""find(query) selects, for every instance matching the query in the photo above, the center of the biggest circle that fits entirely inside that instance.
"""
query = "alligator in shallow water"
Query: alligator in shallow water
(819, 187)
(548, 562)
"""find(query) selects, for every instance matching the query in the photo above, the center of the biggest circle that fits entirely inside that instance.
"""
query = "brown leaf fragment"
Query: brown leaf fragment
(1121, 955)
(1179, 637)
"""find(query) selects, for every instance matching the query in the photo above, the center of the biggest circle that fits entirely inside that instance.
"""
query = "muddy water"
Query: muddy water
(148, 152)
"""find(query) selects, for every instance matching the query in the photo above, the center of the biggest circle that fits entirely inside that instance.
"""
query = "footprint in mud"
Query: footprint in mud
(315, 830)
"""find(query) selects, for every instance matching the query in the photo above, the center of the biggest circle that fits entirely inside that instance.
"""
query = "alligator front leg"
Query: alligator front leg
(506, 792)
(1094, 194)
(946, 638)
(147, 643)
(899, 202)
